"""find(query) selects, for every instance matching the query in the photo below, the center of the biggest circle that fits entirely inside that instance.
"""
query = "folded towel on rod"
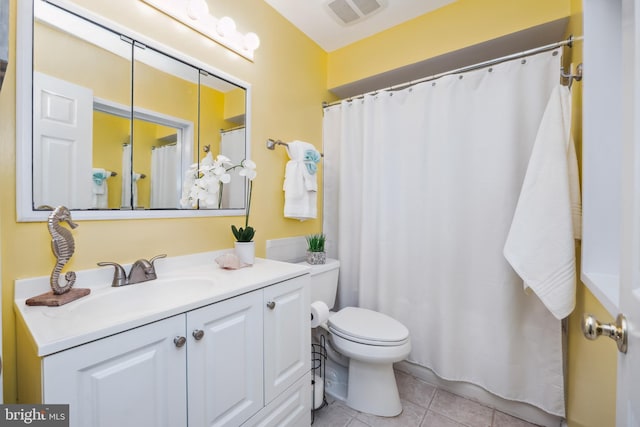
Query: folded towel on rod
(300, 181)
(100, 196)
(540, 245)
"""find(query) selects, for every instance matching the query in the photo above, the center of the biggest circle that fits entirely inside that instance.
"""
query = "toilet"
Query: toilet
(371, 341)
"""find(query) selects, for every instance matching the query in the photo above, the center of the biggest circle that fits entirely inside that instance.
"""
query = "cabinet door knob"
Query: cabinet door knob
(179, 341)
(271, 304)
(198, 334)
(592, 329)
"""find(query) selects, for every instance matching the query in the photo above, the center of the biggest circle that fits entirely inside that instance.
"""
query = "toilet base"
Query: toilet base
(372, 389)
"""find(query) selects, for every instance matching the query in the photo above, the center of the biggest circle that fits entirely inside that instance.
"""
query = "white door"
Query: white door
(287, 336)
(225, 373)
(62, 143)
(628, 382)
(133, 379)
(611, 182)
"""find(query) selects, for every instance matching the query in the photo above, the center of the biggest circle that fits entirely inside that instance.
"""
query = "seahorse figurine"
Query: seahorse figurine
(63, 247)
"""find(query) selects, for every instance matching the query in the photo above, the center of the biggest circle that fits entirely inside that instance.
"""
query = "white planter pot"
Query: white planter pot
(246, 252)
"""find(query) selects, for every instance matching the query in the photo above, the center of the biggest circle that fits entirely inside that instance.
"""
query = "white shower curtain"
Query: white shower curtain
(165, 182)
(232, 145)
(424, 186)
(125, 196)
(129, 196)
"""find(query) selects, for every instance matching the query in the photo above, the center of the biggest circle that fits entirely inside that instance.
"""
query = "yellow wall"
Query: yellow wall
(452, 27)
(109, 133)
(288, 79)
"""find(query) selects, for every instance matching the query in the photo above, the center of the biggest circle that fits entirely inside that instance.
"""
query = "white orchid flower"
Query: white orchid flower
(248, 169)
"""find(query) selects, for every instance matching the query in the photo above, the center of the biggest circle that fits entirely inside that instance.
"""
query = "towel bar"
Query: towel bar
(271, 144)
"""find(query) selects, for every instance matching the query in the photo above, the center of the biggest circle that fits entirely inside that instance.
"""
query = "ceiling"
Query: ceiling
(324, 20)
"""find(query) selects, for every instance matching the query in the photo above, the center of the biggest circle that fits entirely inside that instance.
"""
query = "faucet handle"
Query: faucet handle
(119, 275)
(157, 257)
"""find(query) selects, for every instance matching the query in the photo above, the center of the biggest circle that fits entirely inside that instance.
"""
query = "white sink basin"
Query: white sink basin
(136, 299)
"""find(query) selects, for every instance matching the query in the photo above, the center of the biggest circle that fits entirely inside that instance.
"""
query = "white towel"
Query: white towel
(300, 187)
(540, 245)
(100, 196)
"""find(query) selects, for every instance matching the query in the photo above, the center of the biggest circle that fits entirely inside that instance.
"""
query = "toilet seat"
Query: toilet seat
(368, 327)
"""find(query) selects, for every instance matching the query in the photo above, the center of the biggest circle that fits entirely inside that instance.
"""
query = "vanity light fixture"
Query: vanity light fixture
(195, 14)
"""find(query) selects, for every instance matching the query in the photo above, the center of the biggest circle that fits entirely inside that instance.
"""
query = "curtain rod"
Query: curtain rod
(232, 129)
(568, 42)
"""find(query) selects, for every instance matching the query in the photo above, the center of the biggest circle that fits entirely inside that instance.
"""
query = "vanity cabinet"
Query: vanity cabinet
(245, 359)
(135, 378)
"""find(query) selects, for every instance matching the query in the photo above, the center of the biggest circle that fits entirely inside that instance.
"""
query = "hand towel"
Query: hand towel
(99, 196)
(540, 245)
(98, 175)
(300, 186)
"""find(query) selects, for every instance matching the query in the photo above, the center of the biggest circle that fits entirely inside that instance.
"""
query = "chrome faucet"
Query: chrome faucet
(141, 271)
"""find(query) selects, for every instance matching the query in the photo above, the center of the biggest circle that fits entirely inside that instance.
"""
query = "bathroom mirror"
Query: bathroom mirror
(110, 121)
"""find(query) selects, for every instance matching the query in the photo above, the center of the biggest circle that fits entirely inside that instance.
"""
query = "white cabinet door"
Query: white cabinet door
(287, 335)
(291, 409)
(136, 378)
(225, 364)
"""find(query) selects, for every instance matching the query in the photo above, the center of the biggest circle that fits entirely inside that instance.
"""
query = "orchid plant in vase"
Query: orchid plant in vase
(203, 188)
(249, 172)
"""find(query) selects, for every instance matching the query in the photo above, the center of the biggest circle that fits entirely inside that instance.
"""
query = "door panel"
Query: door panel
(107, 382)
(62, 143)
(225, 365)
(287, 339)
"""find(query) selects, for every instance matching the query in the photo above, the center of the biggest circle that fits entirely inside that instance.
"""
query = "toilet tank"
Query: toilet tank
(324, 281)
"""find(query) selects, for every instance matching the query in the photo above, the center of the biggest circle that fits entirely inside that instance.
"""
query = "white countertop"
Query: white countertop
(184, 283)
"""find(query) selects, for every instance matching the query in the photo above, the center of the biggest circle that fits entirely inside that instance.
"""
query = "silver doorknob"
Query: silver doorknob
(271, 304)
(179, 341)
(198, 334)
(592, 329)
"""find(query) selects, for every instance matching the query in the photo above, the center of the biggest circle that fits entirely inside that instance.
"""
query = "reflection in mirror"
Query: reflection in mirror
(169, 88)
(118, 122)
(69, 72)
(222, 116)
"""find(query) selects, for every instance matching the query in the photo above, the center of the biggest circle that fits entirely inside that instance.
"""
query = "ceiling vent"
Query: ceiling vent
(348, 12)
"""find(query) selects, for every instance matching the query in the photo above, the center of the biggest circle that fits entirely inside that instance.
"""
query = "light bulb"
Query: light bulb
(197, 9)
(225, 26)
(251, 41)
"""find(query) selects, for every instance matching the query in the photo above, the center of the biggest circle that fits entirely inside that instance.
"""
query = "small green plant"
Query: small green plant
(243, 234)
(315, 242)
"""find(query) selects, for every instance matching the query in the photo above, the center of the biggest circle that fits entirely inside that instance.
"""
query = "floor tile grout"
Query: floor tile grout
(452, 410)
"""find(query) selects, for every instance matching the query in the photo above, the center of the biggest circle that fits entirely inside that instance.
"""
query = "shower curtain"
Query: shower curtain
(165, 182)
(129, 196)
(421, 186)
(232, 145)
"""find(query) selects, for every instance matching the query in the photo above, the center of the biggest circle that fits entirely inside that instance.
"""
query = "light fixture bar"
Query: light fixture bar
(195, 14)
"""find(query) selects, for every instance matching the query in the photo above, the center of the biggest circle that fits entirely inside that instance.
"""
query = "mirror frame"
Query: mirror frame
(24, 120)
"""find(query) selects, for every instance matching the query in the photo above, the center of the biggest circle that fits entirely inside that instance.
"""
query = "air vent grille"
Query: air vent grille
(367, 6)
(350, 11)
(344, 11)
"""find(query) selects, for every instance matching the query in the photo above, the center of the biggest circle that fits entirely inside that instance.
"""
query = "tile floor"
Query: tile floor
(423, 406)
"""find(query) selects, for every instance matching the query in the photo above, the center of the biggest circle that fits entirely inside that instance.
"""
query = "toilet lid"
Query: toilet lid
(367, 326)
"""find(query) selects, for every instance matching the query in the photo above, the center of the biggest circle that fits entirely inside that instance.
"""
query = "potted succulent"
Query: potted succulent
(315, 249)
